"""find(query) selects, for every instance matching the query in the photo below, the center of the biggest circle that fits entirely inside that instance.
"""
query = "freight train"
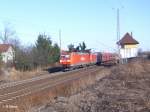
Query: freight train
(81, 59)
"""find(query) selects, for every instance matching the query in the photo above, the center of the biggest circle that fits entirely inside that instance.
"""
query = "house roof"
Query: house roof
(127, 39)
(4, 47)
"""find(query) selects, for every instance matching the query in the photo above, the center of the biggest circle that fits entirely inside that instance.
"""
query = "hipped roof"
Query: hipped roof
(127, 39)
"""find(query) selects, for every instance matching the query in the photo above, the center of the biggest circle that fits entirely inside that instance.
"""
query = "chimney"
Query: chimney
(131, 34)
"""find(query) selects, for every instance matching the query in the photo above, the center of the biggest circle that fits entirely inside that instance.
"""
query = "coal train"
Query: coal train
(81, 59)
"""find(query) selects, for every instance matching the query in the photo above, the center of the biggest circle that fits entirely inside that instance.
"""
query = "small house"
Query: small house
(128, 47)
(7, 53)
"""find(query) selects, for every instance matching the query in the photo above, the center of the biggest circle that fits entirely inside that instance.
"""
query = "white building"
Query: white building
(128, 47)
(7, 53)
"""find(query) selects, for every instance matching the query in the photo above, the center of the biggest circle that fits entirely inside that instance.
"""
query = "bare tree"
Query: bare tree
(7, 33)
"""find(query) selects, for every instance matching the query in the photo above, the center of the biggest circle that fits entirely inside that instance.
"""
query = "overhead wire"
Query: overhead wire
(105, 45)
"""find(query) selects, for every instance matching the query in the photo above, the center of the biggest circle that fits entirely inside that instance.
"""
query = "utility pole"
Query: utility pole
(118, 32)
(60, 40)
(118, 25)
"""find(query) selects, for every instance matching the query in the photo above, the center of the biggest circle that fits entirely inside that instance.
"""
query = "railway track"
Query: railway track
(12, 91)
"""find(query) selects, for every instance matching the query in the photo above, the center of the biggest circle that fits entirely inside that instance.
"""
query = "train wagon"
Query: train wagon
(93, 58)
(108, 58)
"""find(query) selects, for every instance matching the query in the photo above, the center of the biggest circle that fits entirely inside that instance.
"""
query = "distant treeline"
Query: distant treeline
(41, 54)
(80, 48)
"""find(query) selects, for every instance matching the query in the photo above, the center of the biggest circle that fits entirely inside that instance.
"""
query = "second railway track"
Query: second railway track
(31, 86)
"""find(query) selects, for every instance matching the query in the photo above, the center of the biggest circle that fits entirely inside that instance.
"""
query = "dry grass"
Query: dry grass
(12, 75)
(126, 89)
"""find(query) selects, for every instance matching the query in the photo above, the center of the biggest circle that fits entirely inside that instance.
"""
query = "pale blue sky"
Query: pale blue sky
(92, 21)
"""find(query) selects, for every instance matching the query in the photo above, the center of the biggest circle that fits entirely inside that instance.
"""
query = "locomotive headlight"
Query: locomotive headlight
(68, 60)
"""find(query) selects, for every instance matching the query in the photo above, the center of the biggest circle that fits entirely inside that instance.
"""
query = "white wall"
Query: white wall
(128, 52)
(9, 55)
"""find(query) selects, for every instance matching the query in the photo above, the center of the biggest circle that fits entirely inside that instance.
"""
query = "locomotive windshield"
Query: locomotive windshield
(65, 56)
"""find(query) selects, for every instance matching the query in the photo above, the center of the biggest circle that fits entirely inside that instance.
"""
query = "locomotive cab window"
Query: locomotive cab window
(65, 56)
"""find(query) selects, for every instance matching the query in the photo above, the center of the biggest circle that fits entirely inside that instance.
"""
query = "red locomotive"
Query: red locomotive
(77, 59)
